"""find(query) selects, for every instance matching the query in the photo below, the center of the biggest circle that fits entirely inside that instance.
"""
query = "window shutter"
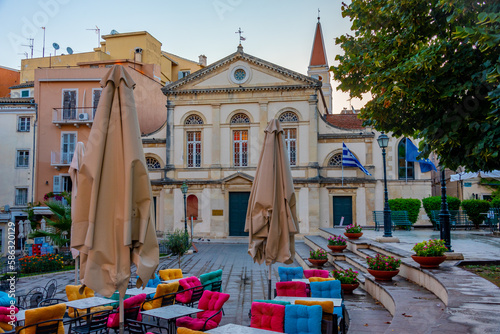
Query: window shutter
(96, 97)
(56, 185)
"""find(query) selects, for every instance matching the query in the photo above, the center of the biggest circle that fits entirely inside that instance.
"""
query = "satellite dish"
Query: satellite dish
(114, 32)
(56, 46)
(70, 50)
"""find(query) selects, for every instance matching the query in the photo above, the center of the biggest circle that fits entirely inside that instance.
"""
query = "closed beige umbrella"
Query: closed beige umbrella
(73, 170)
(271, 220)
(112, 226)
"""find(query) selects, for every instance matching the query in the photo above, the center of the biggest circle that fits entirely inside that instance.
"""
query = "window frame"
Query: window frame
(70, 152)
(288, 142)
(191, 152)
(402, 165)
(27, 165)
(27, 123)
(71, 116)
(241, 155)
(334, 155)
(17, 195)
(94, 107)
(23, 91)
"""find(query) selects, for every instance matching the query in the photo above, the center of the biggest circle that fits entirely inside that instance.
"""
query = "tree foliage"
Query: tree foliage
(432, 68)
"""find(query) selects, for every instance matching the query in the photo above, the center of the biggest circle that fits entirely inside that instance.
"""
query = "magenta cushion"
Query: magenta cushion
(6, 310)
(316, 273)
(268, 316)
(187, 283)
(114, 318)
(291, 289)
(195, 323)
(211, 302)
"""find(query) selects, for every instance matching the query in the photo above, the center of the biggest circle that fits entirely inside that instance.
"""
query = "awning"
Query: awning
(470, 175)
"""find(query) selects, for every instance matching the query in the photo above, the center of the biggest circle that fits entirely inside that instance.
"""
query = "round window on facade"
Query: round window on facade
(240, 74)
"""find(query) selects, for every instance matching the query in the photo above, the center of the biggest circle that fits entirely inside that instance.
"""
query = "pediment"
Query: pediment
(238, 179)
(241, 72)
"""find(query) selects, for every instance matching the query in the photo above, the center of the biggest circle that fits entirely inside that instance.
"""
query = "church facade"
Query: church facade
(213, 137)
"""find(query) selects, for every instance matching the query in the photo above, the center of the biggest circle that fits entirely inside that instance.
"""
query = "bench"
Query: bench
(458, 218)
(378, 218)
(400, 219)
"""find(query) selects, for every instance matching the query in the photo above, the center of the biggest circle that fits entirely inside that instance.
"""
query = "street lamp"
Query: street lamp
(444, 215)
(383, 142)
(184, 189)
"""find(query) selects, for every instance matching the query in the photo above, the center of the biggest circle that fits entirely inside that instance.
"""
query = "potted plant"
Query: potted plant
(336, 243)
(348, 279)
(318, 257)
(177, 243)
(383, 267)
(353, 231)
(429, 254)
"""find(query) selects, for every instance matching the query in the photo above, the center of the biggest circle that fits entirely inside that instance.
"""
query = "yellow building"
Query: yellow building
(140, 47)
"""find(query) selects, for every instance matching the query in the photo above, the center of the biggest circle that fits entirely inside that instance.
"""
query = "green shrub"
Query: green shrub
(41, 263)
(495, 203)
(474, 208)
(434, 203)
(412, 205)
(177, 243)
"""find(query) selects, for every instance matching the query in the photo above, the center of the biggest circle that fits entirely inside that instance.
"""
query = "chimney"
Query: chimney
(202, 60)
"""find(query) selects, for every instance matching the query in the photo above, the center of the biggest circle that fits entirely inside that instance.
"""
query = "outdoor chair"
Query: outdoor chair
(332, 318)
(291, 289)
(327, 289)
(168, 274)
(209, 278)
(165, 295)
(73, 293)
(32, 298)
(95, 322)
(288, 273)
(301, 319)
(316, 273)
(138, 327)
(211, 303)
(6, 318)
(49, 320)
(188, 284)
(132, 306)
(50, 288)
(268, 316)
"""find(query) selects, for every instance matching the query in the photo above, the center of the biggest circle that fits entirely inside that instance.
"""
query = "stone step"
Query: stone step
(368, 252)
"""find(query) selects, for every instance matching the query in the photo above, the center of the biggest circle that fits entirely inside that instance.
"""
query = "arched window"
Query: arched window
(335, 160)
(290, 135)
(240, 118)
(193, 120)
(152, 163)
(288, 116)
(192, 207)
(406, 169)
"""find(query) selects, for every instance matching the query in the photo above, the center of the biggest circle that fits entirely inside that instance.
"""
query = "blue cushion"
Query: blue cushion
(301, 319)
(327, 289)
(5, 299)
(288, 273)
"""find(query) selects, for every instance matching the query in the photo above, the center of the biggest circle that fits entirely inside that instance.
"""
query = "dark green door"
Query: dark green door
(342, 207)
(238, 203)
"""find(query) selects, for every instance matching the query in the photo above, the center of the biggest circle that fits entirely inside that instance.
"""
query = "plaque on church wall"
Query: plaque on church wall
(217, 212)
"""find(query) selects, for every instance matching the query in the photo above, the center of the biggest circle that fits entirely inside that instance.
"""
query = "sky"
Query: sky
(279, 31)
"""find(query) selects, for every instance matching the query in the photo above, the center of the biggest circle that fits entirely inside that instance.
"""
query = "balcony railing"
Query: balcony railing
(74, 116)
(59, 160)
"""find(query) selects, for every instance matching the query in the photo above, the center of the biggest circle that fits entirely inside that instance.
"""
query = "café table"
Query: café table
(305, 280)
(336, 301)
(88, 303)
(170, 313)
(138, 291)
(233, 328)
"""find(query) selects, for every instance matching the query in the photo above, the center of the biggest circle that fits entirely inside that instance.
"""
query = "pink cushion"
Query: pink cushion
(114, 318)
(291, 289)
(268, 316)
(316, 273)
(195, 323)
(211, 302)
(187, 283)
(7, 318)
(6, 310)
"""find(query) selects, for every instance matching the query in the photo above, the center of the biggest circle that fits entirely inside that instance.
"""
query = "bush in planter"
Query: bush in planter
(336, 240)
(432, 247)
(346, 276)
(383, 262)
(474, 208)
(177, 243)
(353, 228)
(318, 254)
(434, 203)
(412, 205)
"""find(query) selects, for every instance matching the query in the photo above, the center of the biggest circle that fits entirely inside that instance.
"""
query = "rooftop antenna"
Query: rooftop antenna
(98, 32)
(30, 45)
(318, 14)
(24, 53)
(56, 47)
(43, 50)
(114, 32)
(70, 50)
(241, 37)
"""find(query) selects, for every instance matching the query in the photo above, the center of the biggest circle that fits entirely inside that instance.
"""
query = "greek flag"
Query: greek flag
(349, 160)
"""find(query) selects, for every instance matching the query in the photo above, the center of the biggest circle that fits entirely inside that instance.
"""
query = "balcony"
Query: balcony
(74, 116)
(58, 160)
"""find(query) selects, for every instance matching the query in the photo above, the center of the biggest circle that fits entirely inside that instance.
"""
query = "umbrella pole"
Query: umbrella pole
(269, 284)
(77, 262)
(121, 313)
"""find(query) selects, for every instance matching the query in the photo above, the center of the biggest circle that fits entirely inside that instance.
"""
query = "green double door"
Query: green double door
(238, 203)
(342, 207)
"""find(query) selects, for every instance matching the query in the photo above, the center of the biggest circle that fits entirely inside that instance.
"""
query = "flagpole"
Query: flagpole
(406, 161)
(342, 164)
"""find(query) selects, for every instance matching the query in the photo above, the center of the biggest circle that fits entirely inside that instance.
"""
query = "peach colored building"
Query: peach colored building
(8, 77)
(67, 101)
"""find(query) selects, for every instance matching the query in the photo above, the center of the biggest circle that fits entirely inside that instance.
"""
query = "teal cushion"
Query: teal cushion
(279, 302)
(210, 277)
(5, 299)
(301, 319)
(288, 273)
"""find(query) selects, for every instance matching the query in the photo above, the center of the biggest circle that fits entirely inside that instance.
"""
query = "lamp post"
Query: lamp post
(444, 215)
(383, 142)
(184, 189)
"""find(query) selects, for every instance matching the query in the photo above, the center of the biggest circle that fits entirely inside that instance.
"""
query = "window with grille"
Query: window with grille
(288, 116)
(335, 160)
(240, 148)
(152, 163)
(193, 120)
(240, 118)
(194, 149)
(291, 145)
(21, 196)
(23, 124)
(406, 169)
(23, 158)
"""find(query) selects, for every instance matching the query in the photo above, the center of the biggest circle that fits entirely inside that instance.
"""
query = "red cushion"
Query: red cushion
(187, 283)
(316, 273)
(114, 318)
(195, 323)
(268, 316)
(211, 302)
(291, 289)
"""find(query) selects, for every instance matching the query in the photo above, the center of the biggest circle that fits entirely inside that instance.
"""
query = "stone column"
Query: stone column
(313, 136)
(169, 140)
(216, 151)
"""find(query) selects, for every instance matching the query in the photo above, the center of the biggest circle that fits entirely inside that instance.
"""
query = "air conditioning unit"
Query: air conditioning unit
(83, 116)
